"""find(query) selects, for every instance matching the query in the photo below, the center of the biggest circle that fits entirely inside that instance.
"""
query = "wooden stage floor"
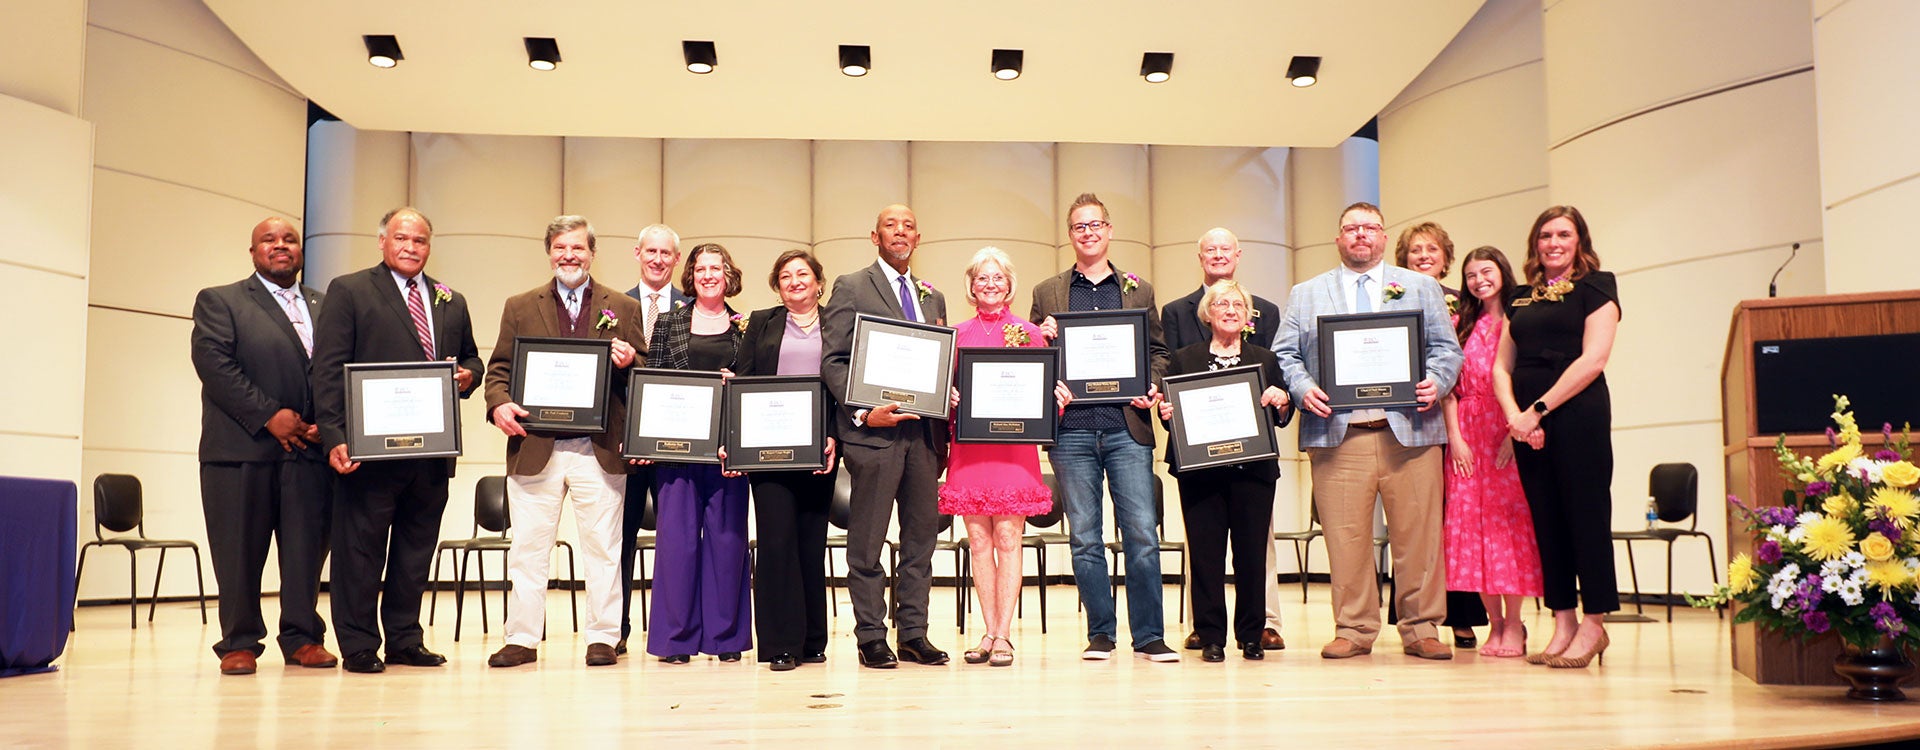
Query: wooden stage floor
(1661, 686)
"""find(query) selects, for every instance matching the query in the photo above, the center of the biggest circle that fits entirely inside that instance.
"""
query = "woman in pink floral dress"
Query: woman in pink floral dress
(1489, 531)
(995, 486)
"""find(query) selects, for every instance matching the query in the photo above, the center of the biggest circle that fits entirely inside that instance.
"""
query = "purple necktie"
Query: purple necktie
(906, 300)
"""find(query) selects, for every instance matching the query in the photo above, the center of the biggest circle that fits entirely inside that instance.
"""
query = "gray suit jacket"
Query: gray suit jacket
(867, 291)
(1298, 349)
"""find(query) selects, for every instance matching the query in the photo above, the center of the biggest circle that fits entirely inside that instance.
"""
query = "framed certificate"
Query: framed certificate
(1103, 355)
(1372, 360)
(897, 362)
(775, 423)
(1006, 395)
(401, 410)
(673, 415)
(1218, 419)
(562, 382)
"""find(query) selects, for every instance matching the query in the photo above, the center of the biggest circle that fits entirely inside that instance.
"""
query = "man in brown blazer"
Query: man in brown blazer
(1110, 444)
(544, 468)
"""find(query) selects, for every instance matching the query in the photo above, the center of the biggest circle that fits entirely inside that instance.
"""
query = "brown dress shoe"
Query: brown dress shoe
(314, 656)
(1193, 641)
(601, 655)
(238, 662)
(1429, 648)
(1270, 640)
(513, 656)
(1341, 648)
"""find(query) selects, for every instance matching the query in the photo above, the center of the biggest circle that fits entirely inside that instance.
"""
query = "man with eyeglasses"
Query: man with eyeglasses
(1360, 453)
(1108, 442)
(1219, 260)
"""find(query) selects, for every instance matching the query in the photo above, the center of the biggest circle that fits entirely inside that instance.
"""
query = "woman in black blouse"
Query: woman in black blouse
(1550, 382)
(700, 600)
(1231, 503)
(790, 507)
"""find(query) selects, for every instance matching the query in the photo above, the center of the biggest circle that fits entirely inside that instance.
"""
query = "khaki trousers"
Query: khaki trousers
(1346, 479)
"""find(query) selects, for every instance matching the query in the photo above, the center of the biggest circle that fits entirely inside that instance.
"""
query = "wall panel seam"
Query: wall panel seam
(1661, 425)
(1459, 83)
(1243, 243)
(1423, 215)
(28, 433)
(1683, 99)
(1872, 190)
(43, 269)
(137, 311)
(176, 183)
(692, 237)
(495, 235)
(1715, 256)
(270, 84)
(1830, 11)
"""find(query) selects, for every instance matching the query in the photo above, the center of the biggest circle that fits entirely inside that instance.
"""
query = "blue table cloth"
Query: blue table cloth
(38, 520)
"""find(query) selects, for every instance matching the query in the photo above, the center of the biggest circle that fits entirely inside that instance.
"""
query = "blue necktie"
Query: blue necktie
(1362, 302)
(906, 300)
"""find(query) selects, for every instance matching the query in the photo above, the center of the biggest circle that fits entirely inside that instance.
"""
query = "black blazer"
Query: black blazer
(673, 333)
(1195, 358)
(251, 365)
(366, 320)
(760, 355)
(1181, 318)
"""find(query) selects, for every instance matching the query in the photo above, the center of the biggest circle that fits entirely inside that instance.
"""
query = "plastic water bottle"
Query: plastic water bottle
(1653, 514)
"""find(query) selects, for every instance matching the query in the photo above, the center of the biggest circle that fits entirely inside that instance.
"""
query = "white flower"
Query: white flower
(1867, 466)
(1783, 583)
(1856, 561)
(1832, 569)
(1913, 565)
(1798, 533)
(1777, 532)
(1850, 593)
(1858, 577)
(1779, 598)
(1916, 598)
(1806, 518)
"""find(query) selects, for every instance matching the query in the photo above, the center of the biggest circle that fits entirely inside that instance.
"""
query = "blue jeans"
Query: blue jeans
(1081, 460)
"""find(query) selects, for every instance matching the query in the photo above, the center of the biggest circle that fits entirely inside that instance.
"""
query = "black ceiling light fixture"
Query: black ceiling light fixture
(1006, 63)
(383, 50)
(543, 53)
(700, 56)
(856, 59)
(1156, 67)
(1304, 71)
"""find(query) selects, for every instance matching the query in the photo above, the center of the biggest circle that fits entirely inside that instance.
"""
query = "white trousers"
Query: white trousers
(534, 502)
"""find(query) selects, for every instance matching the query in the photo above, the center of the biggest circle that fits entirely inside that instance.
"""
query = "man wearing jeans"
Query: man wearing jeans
(1108, 442)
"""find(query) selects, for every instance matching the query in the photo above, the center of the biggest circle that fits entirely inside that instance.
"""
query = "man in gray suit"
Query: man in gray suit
(262, 476)
(893, 457)
(1358, 454)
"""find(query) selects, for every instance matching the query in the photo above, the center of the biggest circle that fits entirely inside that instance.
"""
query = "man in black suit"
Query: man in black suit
(893, 457)
(392, 312)
(261, 472)
(1219, 260)
(658, 252)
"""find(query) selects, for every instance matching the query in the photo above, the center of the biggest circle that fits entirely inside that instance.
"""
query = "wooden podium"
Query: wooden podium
(1753, 470)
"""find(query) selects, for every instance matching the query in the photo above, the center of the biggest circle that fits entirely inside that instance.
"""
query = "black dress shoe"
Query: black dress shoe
(676, 659)
(1253, 651)
(1213, 652)
(922, 651)
(1464, 638)
(783, 663)
(875, 655)
(813, 657)
(415, 655)
(620, 649)
(730, 656)
(364, 662)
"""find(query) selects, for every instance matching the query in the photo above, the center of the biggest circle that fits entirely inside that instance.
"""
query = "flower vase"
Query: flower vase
(1874, 673)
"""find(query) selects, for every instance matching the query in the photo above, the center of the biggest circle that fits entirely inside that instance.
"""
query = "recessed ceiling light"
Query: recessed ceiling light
(855, 59)
(1006, 63)
(383, 50)
(1156, 67)
(1303, 71)
(700, 56)
(543, 53)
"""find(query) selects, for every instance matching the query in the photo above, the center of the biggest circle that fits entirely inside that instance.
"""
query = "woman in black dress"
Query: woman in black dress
(1551, 383)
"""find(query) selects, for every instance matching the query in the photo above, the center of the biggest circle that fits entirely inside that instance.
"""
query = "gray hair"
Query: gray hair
(1220, 289)
(998, 257)
(564, 224)
(659, 229)
(388, 219)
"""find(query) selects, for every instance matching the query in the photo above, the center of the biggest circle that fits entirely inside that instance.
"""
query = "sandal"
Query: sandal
(978, 655)
(1002, 657)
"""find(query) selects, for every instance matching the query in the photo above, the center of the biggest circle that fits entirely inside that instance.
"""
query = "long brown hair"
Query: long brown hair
(1584, 262)
(1471, 308)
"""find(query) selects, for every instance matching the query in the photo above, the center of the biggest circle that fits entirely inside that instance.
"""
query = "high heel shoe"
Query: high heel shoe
(980, 654)
(1542, 657)
(1002, 657)
(1599, 652)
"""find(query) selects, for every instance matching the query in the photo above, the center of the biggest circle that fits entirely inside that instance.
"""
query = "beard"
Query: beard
(572, 277)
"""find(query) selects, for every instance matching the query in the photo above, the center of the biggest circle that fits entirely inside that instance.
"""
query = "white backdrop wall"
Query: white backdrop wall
(1866, 71)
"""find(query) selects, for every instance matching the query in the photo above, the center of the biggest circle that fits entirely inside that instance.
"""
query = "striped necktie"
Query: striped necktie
(419, 311)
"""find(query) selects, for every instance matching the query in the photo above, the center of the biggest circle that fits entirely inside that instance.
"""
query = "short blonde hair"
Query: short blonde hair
(998, 257)
(1220, 289)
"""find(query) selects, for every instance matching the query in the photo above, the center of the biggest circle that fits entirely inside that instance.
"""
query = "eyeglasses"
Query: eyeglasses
(995, 279)
(1089, 226)
(1228, 304)
(1362, 229)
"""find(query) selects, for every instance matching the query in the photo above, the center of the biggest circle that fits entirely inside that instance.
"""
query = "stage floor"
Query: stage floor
(1661, 686)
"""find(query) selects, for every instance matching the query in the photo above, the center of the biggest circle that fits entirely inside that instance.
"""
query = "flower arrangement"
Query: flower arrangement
(1453, 305)
(1248, 331)
(923, 289)
(1841, 552)
(1014, 335)
(1553, 290)
(679, 303)
(1393, 292)
(441, 293)
(607, 319)
(739, 322)
(1128, 283)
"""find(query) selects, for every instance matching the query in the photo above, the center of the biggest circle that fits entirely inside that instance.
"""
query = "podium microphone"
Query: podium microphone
(1773, 288)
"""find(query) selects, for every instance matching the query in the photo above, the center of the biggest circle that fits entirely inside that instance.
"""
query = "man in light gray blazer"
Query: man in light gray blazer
(1356, 454)
(893, 457)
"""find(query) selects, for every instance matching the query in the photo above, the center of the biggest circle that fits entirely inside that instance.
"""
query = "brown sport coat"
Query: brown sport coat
(534, 313)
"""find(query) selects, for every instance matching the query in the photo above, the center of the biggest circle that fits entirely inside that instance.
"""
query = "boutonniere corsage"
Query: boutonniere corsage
(1393, 292)
(1553, 290)
(679, 303)
(607, 319)
(1249, 331)
(441, 294)
(739, 322)
(1453, 305)
(1014, 335)
(923, 289)
(1129, 282)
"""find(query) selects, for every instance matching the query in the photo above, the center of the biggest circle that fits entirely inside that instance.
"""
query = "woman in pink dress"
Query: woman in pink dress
(1490, 544)
(995, 486)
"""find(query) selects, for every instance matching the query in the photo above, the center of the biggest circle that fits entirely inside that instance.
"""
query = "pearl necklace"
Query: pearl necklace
(710, 316)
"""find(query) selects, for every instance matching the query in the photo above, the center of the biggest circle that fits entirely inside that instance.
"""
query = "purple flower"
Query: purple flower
(1885, 455)
(1816, 621)
(1886, 428)
(1807, 597)
(1776, 516)
(1887, 528)
(1886, 619)
(1768, 552)
(1833, 438)
(1819, 488)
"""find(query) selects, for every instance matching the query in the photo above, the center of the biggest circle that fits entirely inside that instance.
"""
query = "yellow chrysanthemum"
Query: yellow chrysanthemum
(1888, 575)
(1877, 547)
(1901, 474)
(1838, 458)
(1827, 539)
(1838, 505)
(1740, 575)
(1896, 505)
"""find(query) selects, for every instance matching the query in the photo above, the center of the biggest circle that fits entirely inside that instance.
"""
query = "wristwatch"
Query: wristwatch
(1540, 407)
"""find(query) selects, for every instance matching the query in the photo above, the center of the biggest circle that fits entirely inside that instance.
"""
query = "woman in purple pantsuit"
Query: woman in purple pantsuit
(700, 584)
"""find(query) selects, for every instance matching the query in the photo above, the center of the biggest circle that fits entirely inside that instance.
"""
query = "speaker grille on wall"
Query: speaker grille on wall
(1795, 380)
